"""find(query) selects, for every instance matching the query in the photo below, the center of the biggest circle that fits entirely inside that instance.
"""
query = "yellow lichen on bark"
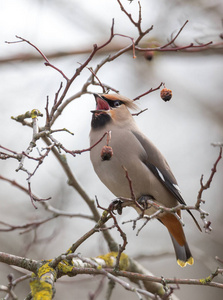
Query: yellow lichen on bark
(110, 260)
(42, 285)
(64, 267)
(41, 290)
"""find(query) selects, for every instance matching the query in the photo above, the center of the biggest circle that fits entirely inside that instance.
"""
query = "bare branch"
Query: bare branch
(47, 63)
(114, 47)
(148, 92)
(208, 183)
(188, 48)
(48, 207)
(8, 291)
(218, 259)
(147, 278)
(94, 75)
(22, 262)
(176, 36)
(122, 233)
(74, 152)
(140, 112)
(204, 187)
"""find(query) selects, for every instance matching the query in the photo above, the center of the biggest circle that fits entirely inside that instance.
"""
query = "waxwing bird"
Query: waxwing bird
(148, 170)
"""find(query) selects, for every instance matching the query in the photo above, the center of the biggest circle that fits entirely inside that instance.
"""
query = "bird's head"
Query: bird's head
(111, 107)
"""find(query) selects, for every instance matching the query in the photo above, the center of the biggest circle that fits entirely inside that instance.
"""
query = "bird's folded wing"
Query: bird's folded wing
(157, 164)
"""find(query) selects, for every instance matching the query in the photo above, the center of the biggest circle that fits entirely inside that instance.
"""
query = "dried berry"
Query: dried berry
(149, 55)
(106, 153)
(166, 94)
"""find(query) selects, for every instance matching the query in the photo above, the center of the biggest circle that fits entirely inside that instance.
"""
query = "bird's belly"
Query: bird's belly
(125, 172)
(122, 176)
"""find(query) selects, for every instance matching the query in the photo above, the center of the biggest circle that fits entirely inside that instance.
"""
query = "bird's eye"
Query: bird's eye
(113, 103)
(117, 103)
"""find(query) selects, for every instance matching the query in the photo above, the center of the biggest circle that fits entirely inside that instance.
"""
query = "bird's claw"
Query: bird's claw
(116, 205)
(143, 201)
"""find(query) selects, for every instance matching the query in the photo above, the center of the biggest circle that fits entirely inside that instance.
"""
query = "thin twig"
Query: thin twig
(140, 112)
(148, 92)
(122, 233)
(208, 182)
(176, 36)
(47, 63)
(74, 152)
(203, 214)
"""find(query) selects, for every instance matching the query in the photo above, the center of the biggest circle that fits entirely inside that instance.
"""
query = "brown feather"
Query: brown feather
(174, 227)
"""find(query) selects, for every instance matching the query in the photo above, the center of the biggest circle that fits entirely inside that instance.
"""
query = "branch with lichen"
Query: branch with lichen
(45, 273)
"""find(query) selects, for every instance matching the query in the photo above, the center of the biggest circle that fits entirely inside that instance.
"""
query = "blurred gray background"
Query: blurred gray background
(183, 129)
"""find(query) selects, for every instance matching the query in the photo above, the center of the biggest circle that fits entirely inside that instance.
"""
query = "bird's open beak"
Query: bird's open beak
(101, 104)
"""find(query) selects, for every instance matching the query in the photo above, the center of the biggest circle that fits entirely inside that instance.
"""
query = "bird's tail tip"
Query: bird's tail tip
(190, 261)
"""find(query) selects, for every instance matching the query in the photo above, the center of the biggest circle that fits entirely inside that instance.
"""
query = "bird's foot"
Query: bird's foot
(116, 205)
(143, 201)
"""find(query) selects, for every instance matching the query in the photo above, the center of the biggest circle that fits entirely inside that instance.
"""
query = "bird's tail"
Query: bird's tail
(181, 247)
(183, 253)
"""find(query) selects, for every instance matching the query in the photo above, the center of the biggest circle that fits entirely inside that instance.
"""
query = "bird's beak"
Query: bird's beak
(101, 104)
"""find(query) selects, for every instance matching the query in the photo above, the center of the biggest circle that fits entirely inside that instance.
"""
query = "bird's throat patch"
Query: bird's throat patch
(100, 119)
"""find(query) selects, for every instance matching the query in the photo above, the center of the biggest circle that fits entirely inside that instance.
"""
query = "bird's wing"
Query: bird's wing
(157, 164)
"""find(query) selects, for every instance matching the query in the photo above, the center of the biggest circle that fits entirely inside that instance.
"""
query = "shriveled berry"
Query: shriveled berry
(166, 94)
(106, 153)
(149, 55)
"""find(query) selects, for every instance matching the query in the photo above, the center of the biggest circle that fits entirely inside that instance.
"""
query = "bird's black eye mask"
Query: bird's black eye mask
(113, 103)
